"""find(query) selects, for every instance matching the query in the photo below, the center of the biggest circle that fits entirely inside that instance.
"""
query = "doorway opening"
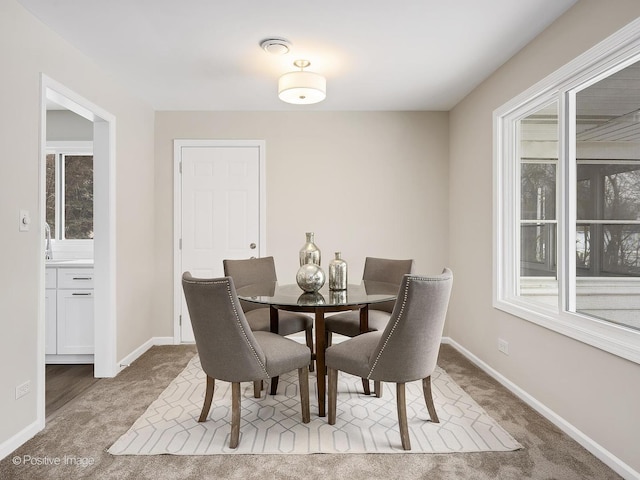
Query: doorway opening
(105, 364)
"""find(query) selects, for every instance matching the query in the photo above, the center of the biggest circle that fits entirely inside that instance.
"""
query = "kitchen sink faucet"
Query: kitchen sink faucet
(48, 252)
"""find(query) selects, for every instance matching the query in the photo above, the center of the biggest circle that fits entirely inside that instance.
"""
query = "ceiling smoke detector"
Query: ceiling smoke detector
(276, 46)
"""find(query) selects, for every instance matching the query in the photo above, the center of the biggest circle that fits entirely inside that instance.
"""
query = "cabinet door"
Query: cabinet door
(50, 315)
(75, 322)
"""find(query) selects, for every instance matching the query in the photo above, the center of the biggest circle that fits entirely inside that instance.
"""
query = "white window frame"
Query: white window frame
(615, 53)
(65, 248)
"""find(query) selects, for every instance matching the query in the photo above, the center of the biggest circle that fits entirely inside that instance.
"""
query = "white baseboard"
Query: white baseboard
(68, 359)
(133, 356)
(19, 439)
(597, 450)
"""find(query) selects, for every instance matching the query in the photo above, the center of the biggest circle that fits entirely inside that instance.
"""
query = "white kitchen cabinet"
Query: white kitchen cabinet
(50, 314)
(69, 316)
(74, 322)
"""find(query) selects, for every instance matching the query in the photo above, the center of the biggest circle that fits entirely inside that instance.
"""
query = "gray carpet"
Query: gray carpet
(78, 436)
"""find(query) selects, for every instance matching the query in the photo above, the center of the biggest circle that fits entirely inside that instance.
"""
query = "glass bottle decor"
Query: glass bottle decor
(309, 253)
(338, 273)
(310, 277)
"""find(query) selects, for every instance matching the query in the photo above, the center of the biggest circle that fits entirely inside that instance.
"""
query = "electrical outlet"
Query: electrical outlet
(23, 389)
(503, 346)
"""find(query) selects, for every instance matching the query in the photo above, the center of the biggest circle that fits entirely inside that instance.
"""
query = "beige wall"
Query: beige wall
(367, 184)
(596, 392)
(27, 48)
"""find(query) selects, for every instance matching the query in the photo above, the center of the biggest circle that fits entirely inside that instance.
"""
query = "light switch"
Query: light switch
(25, 220)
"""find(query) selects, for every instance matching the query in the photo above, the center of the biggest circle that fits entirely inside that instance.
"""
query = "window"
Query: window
(538, 217)
(567, 209)
(69, 193)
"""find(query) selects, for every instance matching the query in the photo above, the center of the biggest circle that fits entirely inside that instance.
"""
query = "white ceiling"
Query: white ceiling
(376, 55)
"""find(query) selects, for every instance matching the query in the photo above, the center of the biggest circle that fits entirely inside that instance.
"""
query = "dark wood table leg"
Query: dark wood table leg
(273, 325)
(364, 327)
(364, 318)
(321, 370)
(273, 319)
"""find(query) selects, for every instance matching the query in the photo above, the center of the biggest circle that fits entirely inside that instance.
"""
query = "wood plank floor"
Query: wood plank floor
(64, 383)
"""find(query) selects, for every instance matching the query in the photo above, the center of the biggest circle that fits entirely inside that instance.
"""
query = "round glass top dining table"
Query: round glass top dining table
(291, 297)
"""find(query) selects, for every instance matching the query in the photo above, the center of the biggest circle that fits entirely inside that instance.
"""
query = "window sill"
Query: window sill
(616, 339)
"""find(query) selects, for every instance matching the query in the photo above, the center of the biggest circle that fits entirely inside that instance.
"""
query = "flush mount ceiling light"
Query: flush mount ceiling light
(276, 46)
(302, 88)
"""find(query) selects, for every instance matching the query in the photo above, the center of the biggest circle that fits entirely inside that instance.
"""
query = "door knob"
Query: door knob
(252, 246)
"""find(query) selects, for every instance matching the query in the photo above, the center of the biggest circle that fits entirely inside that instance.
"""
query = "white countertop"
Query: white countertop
(70, 262)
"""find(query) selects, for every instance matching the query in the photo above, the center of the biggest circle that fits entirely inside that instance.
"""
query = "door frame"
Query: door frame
(104, 153)
(104, 212)
(178, 145)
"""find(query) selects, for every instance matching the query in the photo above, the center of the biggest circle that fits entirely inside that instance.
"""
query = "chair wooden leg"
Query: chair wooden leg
(428, 398)
(333, 395)
(402, 416)
(235, 415)
(365, 386)
(274, 385)
(328, 337)
(309, 336)
(208, 396)
(257, 388)
(303, 382)
(377, 388)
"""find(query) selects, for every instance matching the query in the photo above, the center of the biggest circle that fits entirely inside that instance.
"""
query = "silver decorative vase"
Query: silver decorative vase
(309, 253)
(310, 277)
(337, 273)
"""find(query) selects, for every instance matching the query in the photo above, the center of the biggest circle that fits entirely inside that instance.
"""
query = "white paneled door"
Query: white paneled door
(220, 210)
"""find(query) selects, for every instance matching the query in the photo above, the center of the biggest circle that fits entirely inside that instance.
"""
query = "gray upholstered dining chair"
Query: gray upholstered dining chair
(348, 323)
(231, 352)
(375, 270)
(407, 349)
(263, 270)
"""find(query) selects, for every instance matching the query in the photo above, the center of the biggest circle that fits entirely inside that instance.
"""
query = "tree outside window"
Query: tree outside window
(69, 196)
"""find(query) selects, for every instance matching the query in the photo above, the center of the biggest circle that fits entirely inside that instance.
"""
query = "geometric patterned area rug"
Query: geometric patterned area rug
(273, 424)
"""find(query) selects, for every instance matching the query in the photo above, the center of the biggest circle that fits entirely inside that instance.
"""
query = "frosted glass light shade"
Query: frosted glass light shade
(302, 88)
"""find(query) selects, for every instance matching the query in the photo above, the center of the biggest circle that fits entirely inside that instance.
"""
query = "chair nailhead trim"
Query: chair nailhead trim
(244, 333)
(395, 324)
(238, 322)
